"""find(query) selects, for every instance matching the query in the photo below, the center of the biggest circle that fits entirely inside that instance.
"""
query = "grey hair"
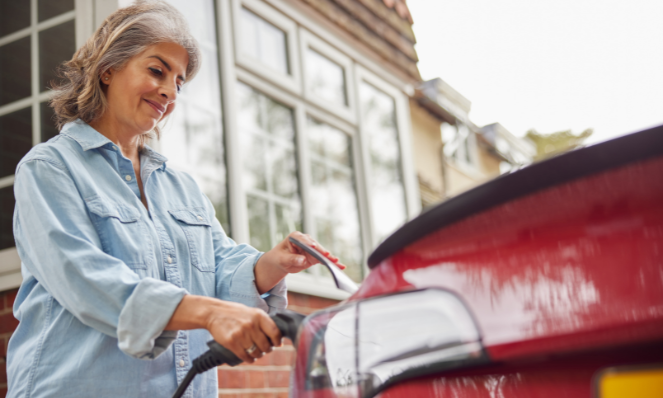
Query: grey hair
(124, 34)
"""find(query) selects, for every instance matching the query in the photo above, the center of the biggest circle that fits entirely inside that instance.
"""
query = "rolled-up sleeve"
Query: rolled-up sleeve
(60, 247)
(235, 277)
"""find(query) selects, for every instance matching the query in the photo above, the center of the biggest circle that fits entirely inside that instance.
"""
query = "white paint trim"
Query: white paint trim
(315, 286)
(291, 81)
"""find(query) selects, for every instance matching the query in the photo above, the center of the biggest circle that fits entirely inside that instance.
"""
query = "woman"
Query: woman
(126, 271)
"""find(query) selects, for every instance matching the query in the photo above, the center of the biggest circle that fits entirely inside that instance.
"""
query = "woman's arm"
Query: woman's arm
(286, 258)
(233, 325)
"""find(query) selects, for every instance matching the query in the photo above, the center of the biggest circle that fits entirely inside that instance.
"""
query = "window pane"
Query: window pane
(387, 191)
(193, 140)
(14, 15)
(48, 129)
(263, 41)
(52, 8)
(270, 169)
(258, 223)
(56, 45)
(333, 195)
(15, 139)
(15, 71)
(7, 203)
(325, 78)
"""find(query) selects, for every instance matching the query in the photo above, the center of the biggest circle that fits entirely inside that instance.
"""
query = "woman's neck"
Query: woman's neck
(120, 135)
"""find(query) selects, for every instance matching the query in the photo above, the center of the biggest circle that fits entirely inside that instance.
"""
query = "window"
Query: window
(193, 139)
(385, 181)
(33, 42)
(460, 145)
(265, 43)
(332, 195)
(271, 183)
(328, 76)
(325, 78)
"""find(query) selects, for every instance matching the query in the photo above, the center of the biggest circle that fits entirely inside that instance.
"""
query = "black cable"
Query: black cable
(185, 383)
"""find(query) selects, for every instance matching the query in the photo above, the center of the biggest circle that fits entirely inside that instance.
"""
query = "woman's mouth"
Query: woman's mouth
(156, 106)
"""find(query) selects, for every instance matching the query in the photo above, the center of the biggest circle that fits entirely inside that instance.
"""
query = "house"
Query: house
(472, 154)
(304, 116)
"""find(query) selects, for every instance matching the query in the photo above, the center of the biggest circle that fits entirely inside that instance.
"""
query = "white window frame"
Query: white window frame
(290, 82)
(308, 41)
(10, 263)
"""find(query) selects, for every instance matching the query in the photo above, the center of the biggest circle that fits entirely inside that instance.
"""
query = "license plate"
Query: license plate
(623, 382)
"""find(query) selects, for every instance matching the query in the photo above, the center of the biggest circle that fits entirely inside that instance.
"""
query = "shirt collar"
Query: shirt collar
(154, 157)
(86, 136)
(89, 138)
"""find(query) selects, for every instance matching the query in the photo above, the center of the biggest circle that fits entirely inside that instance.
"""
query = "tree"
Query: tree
(548, 145)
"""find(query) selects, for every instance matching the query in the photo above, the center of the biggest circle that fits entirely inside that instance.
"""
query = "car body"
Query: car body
(545, 282)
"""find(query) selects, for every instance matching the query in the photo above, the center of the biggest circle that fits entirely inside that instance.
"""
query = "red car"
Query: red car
(546, 282)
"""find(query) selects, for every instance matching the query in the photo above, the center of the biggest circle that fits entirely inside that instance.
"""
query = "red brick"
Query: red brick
(8, 323)
(232, 378)
(282, 395)
(3, 372)
(10, 297)
(278, 378)
(3, 392)
(256, 379)
(282, 357)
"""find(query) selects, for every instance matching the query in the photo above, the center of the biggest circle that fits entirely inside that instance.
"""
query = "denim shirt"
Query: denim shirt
(102, 275)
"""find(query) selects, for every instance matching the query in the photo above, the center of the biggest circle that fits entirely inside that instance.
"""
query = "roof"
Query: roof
(401, 9)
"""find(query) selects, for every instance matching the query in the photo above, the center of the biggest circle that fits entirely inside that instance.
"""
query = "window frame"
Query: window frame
(82, 15)
(290, 82)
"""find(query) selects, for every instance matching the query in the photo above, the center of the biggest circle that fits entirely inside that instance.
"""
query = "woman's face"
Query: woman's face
(144, 91)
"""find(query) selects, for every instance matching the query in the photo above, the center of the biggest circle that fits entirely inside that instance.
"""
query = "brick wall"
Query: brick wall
(7, 326)
(268, 377)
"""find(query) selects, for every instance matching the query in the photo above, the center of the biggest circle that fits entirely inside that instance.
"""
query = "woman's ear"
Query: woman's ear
(106, 77)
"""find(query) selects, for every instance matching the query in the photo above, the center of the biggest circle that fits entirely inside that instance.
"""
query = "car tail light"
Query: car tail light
(359, 349)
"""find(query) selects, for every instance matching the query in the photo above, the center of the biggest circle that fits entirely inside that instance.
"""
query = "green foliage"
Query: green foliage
(548, 145)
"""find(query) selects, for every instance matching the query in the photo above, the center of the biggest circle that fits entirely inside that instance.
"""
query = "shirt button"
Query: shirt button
(170, 260)
(181, 363)
(114, 148)
(127, 177)
(200, 218)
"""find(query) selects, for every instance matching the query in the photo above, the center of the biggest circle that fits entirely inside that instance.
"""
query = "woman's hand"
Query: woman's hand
(287, 258)
(234, 326)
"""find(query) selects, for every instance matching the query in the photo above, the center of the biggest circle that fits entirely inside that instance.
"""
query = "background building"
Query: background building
(307, 114)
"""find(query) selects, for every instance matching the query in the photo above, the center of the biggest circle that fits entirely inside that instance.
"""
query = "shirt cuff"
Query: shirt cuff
(144, 316)
(243, 289)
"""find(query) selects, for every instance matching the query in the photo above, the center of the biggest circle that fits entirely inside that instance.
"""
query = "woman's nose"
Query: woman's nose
(169, 92)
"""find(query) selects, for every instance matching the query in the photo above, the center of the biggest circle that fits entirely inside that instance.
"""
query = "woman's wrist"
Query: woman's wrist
(193, 312)
(267, 273)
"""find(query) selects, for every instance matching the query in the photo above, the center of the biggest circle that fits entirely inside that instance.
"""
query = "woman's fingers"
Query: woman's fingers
(271, 331)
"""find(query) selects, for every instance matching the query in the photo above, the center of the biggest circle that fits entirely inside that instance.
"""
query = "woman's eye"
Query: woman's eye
(156, 71)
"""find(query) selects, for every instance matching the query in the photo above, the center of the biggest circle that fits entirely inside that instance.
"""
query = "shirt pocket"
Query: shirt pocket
(198, 231)
(121, 232)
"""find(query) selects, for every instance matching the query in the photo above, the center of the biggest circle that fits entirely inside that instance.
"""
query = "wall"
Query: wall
(427, 150)
(7, 326)
(268, 377)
